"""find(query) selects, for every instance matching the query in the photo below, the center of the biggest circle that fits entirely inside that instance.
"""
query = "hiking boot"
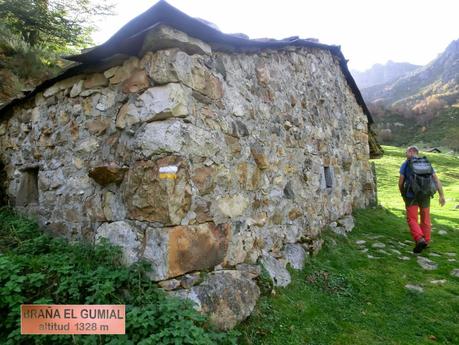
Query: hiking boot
(420, 245)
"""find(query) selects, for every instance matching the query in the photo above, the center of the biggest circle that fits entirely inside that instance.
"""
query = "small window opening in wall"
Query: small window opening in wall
(28, 188)
(328, 177)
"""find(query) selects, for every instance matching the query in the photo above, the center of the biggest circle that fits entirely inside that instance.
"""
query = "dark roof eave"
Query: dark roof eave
(163, 13)
(129, 38)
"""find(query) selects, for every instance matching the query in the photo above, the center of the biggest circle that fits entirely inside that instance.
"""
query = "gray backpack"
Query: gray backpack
(420, 179)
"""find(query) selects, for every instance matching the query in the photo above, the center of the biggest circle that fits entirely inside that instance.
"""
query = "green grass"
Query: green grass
(447, 169)
(343, 297)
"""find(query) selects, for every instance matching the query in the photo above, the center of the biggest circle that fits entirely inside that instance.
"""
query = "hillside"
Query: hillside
(420, 107)
(382, 74)
(23, 66)
(439, 79)
(369, 288)
(441, 131)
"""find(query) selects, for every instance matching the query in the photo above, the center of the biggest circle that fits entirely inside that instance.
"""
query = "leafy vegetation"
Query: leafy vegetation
(343, 296)
(25, 61)
(34, 33)
(55, 24)
(440, 131)
(38, 269)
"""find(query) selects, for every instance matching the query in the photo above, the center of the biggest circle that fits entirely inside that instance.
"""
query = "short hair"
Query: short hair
(414, 148)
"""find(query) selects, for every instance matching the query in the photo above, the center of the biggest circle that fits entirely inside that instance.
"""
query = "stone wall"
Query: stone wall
(193, 158)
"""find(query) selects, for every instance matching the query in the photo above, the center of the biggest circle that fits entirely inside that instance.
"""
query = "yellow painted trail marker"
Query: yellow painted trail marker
(168, 172)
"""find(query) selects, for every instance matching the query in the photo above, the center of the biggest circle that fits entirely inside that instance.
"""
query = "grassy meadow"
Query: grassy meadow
(355, 293)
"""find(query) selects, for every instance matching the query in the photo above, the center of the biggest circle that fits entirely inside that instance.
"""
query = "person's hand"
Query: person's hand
(441, 200)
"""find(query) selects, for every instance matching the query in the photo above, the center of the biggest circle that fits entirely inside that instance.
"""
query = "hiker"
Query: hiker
(418, 183)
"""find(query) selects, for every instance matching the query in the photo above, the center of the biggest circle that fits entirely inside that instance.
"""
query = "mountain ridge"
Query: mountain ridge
(421, 106)
(382, 73)
(439, 78)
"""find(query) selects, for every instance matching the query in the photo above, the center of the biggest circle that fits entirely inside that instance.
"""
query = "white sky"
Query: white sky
(369, 32)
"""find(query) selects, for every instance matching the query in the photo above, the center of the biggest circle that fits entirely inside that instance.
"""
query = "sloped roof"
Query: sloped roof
(129, 39)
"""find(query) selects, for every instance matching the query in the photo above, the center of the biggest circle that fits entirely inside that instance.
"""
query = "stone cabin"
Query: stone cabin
(195, 150)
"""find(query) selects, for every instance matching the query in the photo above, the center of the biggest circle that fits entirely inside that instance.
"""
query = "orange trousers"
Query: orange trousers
(419, 230)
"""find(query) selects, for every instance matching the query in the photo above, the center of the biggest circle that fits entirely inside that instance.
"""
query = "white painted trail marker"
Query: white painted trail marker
(168, 172)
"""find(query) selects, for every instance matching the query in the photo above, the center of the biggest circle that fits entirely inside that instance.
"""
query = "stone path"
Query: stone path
(414, 288)
(377, 247)
(438, 281)
(426, 264)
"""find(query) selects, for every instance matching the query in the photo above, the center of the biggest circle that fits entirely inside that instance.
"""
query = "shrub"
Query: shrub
(38, 269)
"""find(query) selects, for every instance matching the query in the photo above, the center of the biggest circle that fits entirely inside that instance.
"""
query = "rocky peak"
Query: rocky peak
(439, 77)
(453, 47)
(380, 74)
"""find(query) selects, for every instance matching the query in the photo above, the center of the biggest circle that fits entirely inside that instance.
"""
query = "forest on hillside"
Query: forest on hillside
(415, 104)
(34, 34)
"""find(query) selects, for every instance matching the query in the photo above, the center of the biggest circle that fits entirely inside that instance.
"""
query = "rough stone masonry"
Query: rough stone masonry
(196, 160)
